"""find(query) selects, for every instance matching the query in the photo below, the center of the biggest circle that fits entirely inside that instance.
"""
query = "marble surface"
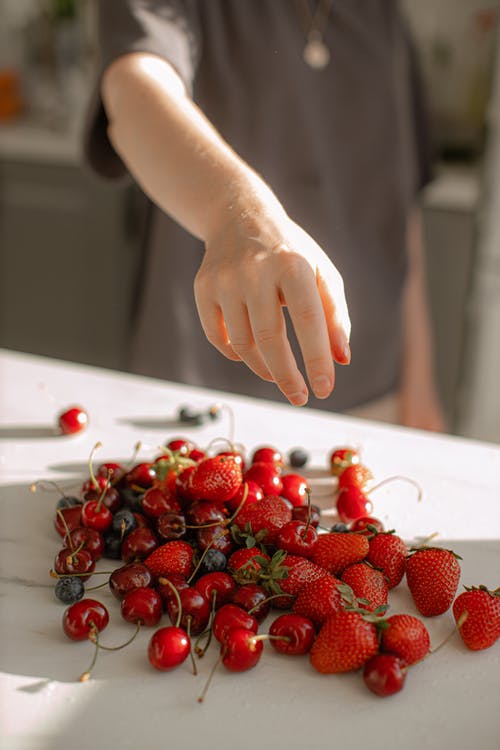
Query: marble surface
(449, 700)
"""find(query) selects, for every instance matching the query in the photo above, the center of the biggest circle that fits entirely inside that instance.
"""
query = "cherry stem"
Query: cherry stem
(401, 478)
(224, 407)
(129, 465)
(99, 586)
(122, 645)
(458, 625)
(66, 528)
(203, 693)
(94, 638)
(224, 440)
(201, 650)
(93, 479)
(268, 637)
(53, 573)
(189, 619)
(164, 581)
(103, 493)
(309, 514)
(227, 521)
(266, 600)
(43, 485)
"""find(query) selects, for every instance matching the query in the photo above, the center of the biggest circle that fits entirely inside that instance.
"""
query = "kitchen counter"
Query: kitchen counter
(450, 700)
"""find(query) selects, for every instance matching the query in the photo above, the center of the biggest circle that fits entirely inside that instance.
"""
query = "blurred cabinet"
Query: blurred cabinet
(69, 253)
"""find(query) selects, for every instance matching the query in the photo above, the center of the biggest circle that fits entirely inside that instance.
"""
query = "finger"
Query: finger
(213, 325)
(241, 337)
(269, 332)
(338, 323)
(299, 289)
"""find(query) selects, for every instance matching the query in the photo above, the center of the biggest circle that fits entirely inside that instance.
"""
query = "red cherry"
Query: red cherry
(341, 459)
(72, 420)
(299, 631)
(361, 524)
(92, 541)
(241, 650)
(301, 513)
(155, 502)
(181, 445)
(165, 589)
(254, 493)
(142, 606)
(112, 471)
(219, 586)
(111, 498)
(195, 610)
(385, 674)
(79, 618)
(68, 519)
(183, 483)
(131, 576)
(253, 597)
(357, 475)
(268, 454)
(295, 488)
(196, 454)
(203, 512)
(96, 516)
(215, 537)
(142, 475)
(267, 476)
(139, 544)
(231, 616)
(297, 538)
(69, 561)
(168, 648)
(352, 503)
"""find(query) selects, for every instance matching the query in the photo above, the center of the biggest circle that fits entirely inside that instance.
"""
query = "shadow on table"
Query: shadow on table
(27, 432)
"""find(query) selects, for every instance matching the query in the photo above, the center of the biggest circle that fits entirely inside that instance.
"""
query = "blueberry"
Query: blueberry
(123, 523)
(67, 501)
(298, 458)
(69, 589)
(112, 546)
(339, 527)
(132, 499)
(214, 561)
(188, 416)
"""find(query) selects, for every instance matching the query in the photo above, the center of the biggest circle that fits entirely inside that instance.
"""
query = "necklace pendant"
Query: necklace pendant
(316, 54)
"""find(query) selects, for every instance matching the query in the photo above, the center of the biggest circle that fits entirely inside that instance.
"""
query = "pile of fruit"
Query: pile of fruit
(219, 545)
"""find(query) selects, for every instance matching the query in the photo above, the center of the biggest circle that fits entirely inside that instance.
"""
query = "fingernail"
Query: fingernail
(299, 398)
(346, 351)
(322, 386)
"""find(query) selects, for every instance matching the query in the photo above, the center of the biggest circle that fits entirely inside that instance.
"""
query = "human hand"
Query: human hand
(253, 266)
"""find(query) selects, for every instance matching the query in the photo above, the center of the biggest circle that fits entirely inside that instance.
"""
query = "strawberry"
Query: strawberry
(368, 584)
(337, 550)
(172, 557)
(319, 599)
(345, 642)
(388, 552)
(245, 564)
(432, 574)
(288, 574)
(217, 478)
(407, 637)
(355, 475)
(268, 515)
(477, 614)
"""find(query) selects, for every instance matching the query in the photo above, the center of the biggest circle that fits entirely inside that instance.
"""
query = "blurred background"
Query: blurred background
(70, 247)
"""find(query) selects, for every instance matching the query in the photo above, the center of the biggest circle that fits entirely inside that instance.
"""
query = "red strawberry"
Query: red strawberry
(345, 642)
(172, 557)
(355, 475)
(245, 564)
(478, 611)
(407, 637)
(319, 599)
(217, 478)
(369, 585)
(388, 552)
(299, 571)
(337, 550)
(432, 574)
(268, 515)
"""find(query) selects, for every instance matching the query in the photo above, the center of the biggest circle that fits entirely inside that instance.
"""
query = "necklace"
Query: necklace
(316, 53)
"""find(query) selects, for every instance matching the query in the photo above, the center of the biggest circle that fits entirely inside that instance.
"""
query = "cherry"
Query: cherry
(361, 525)
(216, 587)
(215, 537)
(81, 617)
(254, 493)
(68, 519)
(168, 648)
(267, 476)
(295, 489)
(155, 502)
(341, 459)
(89, 540)
(131, 576)
(357, 475)
(142, 476)
(204, 512)
(112, 546)
(301, 513)
(183, 483)
(68, 501)
(72, 420)
(139, 544)
(171, 525)
(241, 650)
(165, 583)
(352, 503)
(231, 616)
(254, 599)
(114, 471)
(194, 607)
(142, 606)
(94, 485)
(181, 445)
(111, 498)
(96, 516)
(298, 538)
(268, 454)
(70, 561)
(195, 454)
(297, 634)
(385, 674)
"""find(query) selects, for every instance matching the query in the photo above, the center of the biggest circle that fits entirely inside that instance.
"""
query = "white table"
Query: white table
(450, 700)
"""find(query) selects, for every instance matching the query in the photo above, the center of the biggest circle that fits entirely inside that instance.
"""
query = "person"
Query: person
(282, 144)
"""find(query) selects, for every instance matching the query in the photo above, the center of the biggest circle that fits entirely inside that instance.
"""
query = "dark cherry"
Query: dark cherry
(131, 576)
(215, 537)
(132, 499)
(164, 586)
(231, 616)
(267, 476)
(72, 420)
(68, 562)
(299, 632)
(203, 512)
(111, 499)
(115, 472)
(301, 513)
(68, 519)
(168, 648)
(92, 541)
(156, 501)
(298, 538)
(142, 521)
(195, 610)
(138, 544)
(361, 525)
(80, 617)
(254, 493)
(253, 597)
(217, 588)
(112, 546)
(171, 525)
(142, 476)
(295, 488)
(385, 674)
(142, 606)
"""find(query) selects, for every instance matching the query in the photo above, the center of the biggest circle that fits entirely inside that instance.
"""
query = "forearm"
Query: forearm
(172, 150)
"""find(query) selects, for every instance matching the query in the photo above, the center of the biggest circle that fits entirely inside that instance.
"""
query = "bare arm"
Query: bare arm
(256, 258)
